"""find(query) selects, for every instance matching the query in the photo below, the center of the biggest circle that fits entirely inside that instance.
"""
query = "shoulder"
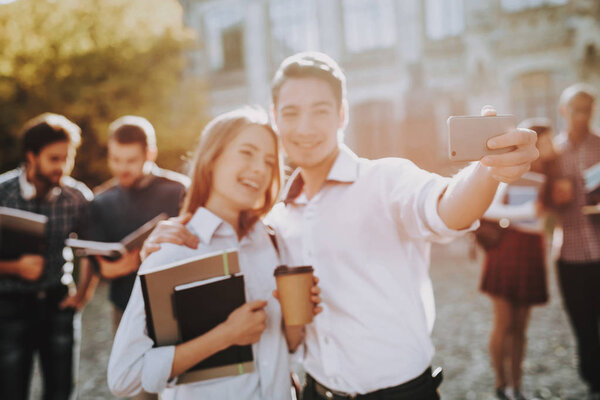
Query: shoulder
(77, 189)
(171, 178)
(393, 168)
(167, 254)
(105, 187)
(10, 178)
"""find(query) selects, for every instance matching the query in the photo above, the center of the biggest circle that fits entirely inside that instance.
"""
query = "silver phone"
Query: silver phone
(468, 135)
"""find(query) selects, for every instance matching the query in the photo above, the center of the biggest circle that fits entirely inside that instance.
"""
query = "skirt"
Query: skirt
(516, 269)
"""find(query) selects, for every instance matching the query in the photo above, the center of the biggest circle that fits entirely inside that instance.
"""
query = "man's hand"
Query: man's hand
(173, 231)
(247, 323)
(315, 296)
(509, 167)
(128, 264)
(30, 267)
(562, 192)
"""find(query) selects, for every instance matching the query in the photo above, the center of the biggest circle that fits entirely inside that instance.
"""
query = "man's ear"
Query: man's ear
(343, 114)
(151, 154)
(30, 158)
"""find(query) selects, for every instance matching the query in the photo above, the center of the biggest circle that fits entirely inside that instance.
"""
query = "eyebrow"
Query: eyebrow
(314, 105)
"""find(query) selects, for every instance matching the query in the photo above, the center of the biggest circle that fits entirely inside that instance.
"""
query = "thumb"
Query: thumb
(184, 218)
(257, 304)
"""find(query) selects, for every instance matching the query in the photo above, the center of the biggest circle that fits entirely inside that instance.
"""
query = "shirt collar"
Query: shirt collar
(344, 169)
(28, 191)
(205, 224)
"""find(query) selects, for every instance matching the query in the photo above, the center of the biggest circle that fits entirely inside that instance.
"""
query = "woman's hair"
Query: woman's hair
(216, 136)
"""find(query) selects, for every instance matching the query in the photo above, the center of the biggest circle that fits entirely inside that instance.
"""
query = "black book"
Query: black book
(21, 232)
(115, 250)
(202, 305)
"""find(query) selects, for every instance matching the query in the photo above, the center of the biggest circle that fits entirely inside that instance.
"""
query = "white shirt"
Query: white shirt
(134, 364)
(367, 235)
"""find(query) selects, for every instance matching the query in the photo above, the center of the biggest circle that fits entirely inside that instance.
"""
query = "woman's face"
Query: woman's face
(244, 171)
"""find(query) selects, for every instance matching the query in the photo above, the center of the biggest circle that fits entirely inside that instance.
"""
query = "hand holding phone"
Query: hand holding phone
(468, 135)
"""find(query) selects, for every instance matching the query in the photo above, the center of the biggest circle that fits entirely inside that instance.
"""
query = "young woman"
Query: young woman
(515, 269)
(235, 181)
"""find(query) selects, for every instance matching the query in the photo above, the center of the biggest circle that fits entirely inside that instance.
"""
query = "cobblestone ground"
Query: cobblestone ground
(461, 334)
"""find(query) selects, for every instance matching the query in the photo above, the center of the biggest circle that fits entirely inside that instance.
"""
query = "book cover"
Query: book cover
(201, 306)
(114, 250)
(21, 232)
(158, 288)
(591, 177)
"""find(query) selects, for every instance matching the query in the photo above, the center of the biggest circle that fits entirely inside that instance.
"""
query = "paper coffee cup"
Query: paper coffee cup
(293, 285)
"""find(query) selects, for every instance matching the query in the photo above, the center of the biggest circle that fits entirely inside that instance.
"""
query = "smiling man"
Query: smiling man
(366, 226)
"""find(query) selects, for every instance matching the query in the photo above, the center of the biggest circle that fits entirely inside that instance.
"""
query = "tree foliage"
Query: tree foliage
(94, 61)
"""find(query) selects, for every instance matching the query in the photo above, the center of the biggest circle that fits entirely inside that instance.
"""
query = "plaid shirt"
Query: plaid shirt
(67, 209)
(581, 242)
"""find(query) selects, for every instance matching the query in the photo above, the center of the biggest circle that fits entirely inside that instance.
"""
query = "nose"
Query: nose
(304, 124)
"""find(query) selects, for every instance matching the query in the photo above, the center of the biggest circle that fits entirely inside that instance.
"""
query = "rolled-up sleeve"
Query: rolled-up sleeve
(414, 204)
(134, 362)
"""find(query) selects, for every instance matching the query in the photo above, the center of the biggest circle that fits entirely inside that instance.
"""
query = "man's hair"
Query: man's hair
(575, 90)
(310, 65)
(133, 129)
(46, 129)
(539, 125)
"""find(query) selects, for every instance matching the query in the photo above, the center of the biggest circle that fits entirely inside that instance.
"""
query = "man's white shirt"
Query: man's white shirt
(367, 233)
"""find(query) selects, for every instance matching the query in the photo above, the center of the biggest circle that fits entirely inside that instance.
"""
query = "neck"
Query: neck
(227, 214)
(577, 137)
(314, 177)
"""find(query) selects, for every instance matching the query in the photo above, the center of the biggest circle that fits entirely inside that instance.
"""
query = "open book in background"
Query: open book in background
(21, 232)
(158, 288)
(114, 250)
(201, 306)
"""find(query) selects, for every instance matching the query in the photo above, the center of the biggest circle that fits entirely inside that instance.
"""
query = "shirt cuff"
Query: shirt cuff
(437, 225)
(157, 368)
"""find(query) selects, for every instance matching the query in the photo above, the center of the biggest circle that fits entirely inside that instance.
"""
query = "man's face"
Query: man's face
(578, 114)
(52, 162)
(308, 117)
(126, 161)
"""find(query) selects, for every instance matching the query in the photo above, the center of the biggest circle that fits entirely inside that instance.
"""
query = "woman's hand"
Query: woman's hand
(246, 324)
(173, 231)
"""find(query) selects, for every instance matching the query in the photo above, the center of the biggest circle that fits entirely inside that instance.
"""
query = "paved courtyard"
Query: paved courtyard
(461, 333)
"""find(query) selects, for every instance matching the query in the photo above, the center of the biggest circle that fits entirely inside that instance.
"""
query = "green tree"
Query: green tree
(94, 61)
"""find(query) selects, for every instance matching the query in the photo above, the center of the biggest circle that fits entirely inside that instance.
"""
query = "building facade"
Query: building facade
(409, 63)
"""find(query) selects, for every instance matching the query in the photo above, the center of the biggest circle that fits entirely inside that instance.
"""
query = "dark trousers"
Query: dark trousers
(31, 323)
(580, 287)
(423, 387)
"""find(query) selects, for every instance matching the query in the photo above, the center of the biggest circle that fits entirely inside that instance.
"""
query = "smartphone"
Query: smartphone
(468, 135)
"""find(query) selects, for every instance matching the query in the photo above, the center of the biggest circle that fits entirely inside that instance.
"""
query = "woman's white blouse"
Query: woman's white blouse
(134, 362)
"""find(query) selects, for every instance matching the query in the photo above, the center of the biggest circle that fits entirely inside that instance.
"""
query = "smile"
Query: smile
(250, 183)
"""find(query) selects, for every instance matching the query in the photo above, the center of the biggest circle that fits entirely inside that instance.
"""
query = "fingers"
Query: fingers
(148, 249)
(276, 294)
(182, 219)
(256, 305)
(510, 174)
(488, 111)
(512, 158)
(517, 137)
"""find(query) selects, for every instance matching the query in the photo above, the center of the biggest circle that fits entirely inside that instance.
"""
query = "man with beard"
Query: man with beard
(37, 312)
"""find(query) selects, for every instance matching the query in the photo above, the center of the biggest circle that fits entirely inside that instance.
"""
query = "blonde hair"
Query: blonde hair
(216, 136)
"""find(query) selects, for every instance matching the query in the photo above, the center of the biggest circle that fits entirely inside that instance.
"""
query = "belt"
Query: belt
(426, 380)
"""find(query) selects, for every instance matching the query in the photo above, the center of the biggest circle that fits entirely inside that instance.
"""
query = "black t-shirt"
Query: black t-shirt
(118, 211)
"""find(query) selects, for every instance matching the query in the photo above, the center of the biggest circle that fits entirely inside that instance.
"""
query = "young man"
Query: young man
(579, 263)
(366, 227)
(138, 192)
(36, 311)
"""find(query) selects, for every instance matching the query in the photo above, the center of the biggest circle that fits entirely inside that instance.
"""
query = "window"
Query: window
(368, 25)
(533, 95)
(444, 18)
(518, 5)
(225, 38)
(293, 27)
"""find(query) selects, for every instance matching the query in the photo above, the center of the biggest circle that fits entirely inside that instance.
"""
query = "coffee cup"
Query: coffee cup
(294, 286)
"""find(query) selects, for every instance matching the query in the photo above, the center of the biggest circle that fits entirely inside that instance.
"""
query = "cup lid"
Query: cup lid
(285, 270)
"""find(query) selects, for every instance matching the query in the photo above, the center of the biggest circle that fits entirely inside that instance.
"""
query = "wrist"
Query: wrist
(227, 335)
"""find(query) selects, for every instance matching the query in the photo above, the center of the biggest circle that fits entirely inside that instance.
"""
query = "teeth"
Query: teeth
(250, 183)
(305, 145)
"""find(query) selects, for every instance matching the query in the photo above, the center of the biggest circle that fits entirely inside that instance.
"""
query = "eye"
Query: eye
(245, 152)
